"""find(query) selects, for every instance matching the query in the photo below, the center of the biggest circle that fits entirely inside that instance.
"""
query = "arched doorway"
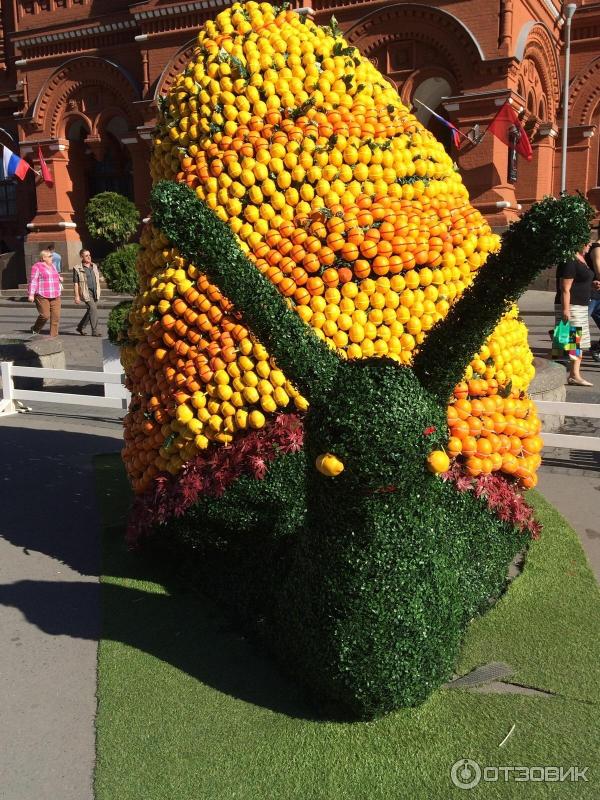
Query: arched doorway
(110, 169)
(97, 163)
(72, 113)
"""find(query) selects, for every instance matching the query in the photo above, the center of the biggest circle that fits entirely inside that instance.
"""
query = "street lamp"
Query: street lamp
(569, 11)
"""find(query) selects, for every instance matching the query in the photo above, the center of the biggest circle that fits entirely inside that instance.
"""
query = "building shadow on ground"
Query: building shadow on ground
(181, 629)
(48, 493)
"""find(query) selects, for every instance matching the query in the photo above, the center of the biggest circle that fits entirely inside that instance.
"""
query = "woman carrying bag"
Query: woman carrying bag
(573, 291)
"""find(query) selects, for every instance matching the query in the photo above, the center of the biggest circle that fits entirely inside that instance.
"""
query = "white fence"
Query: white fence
(572, 441)
(118, 395)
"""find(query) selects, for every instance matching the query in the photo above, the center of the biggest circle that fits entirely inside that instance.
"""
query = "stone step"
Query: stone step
(67, 282)
(107, 300)
(67, 291)
(21, 291)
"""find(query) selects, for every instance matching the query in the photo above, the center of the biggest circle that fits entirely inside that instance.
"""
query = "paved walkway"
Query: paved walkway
(49, 568)
(49, 565)
(49, 557)
(81, 352)
(570, 479)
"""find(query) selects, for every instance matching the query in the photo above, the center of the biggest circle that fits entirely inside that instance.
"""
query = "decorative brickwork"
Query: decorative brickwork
(585, 94)
(87, 84)
(174, 68)
(85, 77)
(406, 37)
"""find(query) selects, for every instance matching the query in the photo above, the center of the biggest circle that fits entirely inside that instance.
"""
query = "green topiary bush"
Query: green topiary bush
(248, 530)
(119, 269)
(371, 576)
(118, 323)
(111, 217)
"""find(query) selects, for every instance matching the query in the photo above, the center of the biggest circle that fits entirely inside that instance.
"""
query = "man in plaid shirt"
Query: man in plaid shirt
(45, 289)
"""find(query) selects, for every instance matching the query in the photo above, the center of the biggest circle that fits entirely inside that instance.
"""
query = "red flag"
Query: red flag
(46, 174)
(504, 123)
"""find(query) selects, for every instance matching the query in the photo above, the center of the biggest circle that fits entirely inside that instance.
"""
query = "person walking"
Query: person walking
(571, 304)
(45, 287)
(86, 286)
(593, 261)
(56, 258)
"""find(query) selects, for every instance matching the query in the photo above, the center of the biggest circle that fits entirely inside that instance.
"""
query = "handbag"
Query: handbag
(573, 346)
(566, 340)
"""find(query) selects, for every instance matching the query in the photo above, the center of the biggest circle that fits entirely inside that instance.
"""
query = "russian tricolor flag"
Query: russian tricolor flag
(456, 134)
(14, 164)
(454, 130)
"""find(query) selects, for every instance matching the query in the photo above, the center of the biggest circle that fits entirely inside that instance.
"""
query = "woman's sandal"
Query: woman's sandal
(582, 382)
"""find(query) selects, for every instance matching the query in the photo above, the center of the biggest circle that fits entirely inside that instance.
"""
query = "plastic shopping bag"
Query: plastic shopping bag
(566, 340)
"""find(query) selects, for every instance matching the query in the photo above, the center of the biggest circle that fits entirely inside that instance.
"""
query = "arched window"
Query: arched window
(542, 110)
(8, 195)
(76, 130)
(430, 92)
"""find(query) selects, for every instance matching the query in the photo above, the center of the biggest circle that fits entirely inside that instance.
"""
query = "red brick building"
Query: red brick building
(81, 78)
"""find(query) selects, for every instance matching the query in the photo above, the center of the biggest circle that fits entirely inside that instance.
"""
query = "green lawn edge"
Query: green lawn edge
(188, 709)
(545, 625)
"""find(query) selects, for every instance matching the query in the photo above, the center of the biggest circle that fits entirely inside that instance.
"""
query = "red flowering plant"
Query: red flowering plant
(502, 496)
(212, 471)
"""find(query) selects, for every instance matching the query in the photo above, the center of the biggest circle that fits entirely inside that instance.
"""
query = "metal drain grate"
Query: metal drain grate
(493, 671)
(516, 567)
(498, 687)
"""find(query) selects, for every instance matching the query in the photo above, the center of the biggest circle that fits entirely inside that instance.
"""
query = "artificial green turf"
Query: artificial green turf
(189, 710)
(548, 625)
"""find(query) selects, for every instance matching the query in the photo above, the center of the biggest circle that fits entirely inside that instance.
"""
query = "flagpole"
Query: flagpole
(431, 111)
(3, 130)
(569, 11)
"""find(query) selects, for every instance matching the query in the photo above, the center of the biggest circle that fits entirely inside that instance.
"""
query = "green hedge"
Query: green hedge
(118, 323)
(111, 217)
(376, 599)
(366, 597)
(248, 531)
(119, 269)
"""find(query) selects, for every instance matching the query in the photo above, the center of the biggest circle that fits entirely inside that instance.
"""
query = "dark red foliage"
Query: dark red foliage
(212, 471)
(502, 495)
